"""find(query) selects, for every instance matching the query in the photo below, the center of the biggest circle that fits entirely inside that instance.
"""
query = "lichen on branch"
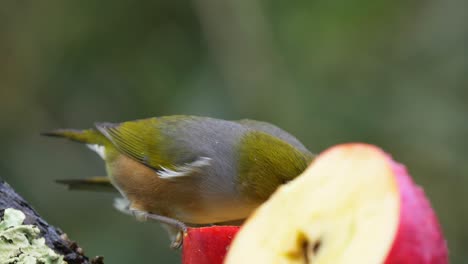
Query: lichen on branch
(20, 243)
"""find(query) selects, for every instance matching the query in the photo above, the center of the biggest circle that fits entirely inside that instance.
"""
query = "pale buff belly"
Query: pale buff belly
(179, 199)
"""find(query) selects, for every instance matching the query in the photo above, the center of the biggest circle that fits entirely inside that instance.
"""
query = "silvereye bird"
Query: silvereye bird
(189, 170)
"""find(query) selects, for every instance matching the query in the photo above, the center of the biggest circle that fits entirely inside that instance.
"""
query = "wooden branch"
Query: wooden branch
(54, 237)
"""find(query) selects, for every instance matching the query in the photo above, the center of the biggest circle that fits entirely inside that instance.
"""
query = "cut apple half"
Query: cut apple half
(352, 205)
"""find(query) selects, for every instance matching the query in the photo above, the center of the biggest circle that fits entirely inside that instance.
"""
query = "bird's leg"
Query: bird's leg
(175, 228)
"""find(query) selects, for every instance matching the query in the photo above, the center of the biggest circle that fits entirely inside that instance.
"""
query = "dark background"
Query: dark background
(391, 73)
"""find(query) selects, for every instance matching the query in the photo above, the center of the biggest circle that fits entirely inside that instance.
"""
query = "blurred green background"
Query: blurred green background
(391, 73)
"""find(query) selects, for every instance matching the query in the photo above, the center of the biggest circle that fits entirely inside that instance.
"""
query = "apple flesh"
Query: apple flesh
(207, 245)
(354, 204)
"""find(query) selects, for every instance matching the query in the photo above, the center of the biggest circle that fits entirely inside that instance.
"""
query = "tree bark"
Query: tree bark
(54, 237)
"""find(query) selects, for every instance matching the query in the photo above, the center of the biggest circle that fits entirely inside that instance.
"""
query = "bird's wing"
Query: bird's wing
(142, 140)
(184, 170)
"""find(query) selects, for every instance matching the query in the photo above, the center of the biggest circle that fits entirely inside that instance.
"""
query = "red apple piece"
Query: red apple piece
(354, 204)
(207, 245)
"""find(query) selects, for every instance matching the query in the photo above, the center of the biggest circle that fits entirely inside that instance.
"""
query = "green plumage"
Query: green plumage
(141, 140)
(275, 162)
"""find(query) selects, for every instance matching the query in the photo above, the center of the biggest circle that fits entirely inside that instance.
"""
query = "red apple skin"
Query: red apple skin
(207, 245)
(419, 239)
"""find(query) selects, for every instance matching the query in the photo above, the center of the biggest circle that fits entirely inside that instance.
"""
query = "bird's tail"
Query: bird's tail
(88, 136)
(99, 184)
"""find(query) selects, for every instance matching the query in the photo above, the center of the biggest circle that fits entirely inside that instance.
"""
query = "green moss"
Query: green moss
(21, 243)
